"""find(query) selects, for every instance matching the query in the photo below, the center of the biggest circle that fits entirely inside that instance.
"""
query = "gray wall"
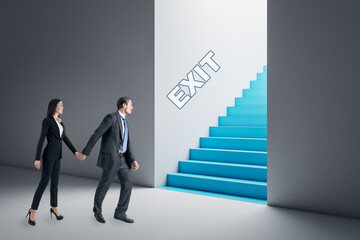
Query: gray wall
(313, 105)
(88, 53)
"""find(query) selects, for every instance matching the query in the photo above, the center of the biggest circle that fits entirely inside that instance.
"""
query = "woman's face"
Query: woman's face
(59, 108)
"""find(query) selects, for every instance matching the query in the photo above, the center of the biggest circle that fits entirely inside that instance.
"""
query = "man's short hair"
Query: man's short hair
(121, 101)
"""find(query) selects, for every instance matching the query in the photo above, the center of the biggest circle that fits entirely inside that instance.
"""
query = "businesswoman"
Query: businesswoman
(54, 130)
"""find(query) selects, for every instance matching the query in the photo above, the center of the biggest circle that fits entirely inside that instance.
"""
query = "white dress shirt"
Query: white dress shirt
(123, 127)
(61, 129)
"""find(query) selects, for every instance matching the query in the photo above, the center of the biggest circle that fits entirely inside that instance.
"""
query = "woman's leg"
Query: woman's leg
(45, 176)
(54, 185)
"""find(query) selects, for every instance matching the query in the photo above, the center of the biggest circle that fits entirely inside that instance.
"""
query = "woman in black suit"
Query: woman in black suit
(54, 130)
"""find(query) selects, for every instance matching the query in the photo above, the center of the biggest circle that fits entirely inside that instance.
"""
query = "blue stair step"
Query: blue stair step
(250, 144)
(229, 156)
(245, 188)
(261, 77)
(238, 131)
(249, 120)
(217, 195)
(228, 170)
(262, 85)
(250, 101)
(254, 93)
(265, 69)
(247, 110)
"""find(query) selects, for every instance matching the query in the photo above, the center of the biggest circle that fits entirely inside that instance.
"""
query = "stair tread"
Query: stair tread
(240, 126)
(228, 150)
(263, 115)
(213, 194)
(233, 180)
(251, 97)
(236, 138)
(242, 107)
(225, 164)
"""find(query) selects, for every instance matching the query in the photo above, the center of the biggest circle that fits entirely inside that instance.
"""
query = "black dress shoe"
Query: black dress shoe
(99, 217)
(32, 223)
(123, 217)
(60, 217)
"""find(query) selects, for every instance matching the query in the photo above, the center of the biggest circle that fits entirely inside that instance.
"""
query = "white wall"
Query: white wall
(185, 30)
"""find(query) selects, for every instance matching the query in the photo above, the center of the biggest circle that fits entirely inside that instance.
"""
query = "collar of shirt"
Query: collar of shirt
(121, 114)
(57, 119)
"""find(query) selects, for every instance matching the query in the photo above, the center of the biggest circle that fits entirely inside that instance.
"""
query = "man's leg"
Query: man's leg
(107, 177)
(125, 177)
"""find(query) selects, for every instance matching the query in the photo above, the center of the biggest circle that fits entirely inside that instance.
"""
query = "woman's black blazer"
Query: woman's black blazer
(53, 148)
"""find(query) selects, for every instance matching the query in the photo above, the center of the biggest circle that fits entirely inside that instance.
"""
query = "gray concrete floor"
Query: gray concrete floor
(158, 214)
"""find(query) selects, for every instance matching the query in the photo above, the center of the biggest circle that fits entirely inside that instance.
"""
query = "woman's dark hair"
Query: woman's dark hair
(52, 109)
(121, 101)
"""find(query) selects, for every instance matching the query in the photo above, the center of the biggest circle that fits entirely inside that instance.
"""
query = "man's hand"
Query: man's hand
(37, 164)
(135, 165)
(80, 156)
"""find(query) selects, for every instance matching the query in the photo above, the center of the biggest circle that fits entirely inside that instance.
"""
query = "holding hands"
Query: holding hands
(80, 156)
(37, 164)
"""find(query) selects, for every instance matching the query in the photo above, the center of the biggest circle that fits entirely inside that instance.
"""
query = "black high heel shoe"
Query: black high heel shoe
(60, 217)
(32, 223)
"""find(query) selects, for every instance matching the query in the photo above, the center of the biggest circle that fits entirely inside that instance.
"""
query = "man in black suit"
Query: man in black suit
(115, 158)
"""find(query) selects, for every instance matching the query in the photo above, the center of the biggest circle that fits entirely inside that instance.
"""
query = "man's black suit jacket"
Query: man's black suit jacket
(111, 131)
(53, 149)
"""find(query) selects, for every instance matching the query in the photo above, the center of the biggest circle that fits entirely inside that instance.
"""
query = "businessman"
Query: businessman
(115, 158)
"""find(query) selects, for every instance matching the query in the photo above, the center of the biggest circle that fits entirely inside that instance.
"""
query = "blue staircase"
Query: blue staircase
(232, 162)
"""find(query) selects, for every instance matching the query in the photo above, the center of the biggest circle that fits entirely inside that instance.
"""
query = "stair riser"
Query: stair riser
(254, 158)
(258, 85)
(235, 144)
(218, 170)
(246, 110)
(218, 186)
(256, 120)
(241, 132)
(251, 101)
(254, 93)
(261, 77)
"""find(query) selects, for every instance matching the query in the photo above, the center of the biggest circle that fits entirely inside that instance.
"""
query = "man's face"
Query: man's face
(128, 108)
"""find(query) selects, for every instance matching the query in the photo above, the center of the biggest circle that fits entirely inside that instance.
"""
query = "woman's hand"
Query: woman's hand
(37, 164)
(80, 156)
